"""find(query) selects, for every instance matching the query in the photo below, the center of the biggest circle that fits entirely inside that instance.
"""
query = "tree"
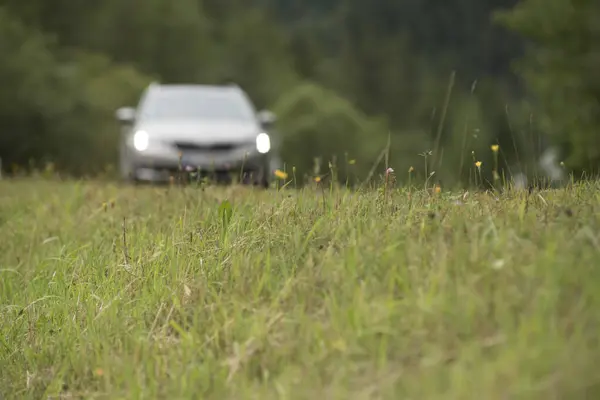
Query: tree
(318, 124)
(561, 71)
(54, 110)
(32, 92)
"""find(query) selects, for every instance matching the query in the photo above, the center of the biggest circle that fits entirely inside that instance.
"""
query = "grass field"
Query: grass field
(144, 292)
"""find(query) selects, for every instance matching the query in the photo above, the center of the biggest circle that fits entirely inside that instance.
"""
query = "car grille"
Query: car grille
(187, 146)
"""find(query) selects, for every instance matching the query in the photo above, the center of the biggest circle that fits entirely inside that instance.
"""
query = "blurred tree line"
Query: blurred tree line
(344, 76)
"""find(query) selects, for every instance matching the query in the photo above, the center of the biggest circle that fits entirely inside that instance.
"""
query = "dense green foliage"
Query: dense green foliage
(562, 69)
(68, 64)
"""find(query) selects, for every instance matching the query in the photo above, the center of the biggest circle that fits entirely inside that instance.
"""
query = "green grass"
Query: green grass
(448, 297)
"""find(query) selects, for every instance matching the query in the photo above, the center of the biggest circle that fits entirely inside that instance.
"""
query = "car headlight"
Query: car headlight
(263, 143)
(141, 140)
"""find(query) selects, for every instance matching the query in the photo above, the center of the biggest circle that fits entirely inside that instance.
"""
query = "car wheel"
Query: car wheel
(263, 179)
(127, 175)
(126, 169)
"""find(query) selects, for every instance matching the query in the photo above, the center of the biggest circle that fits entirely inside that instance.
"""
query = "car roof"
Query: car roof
(232, 91)
(174, 88)
(187, 86)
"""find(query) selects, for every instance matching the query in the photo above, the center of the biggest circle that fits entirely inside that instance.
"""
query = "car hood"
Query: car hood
(200, 131)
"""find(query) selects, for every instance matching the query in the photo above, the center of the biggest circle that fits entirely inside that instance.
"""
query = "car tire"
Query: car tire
(263, 179)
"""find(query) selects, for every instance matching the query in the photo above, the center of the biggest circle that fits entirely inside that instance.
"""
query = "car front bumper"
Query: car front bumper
(157, 167)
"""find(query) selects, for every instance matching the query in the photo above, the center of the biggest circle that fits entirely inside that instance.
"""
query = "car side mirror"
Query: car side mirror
(266, 118)
(125, 115)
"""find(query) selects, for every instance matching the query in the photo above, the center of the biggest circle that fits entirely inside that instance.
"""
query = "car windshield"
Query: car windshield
(184, 103)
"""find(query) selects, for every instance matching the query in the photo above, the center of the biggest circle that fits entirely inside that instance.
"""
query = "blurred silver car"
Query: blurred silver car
(195, 128)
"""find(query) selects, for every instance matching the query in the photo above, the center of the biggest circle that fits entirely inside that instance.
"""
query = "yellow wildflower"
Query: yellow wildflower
(281, 174)
(317, 179)
(352, 162)
(437, 189)
(478, 164)
(495, 148)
